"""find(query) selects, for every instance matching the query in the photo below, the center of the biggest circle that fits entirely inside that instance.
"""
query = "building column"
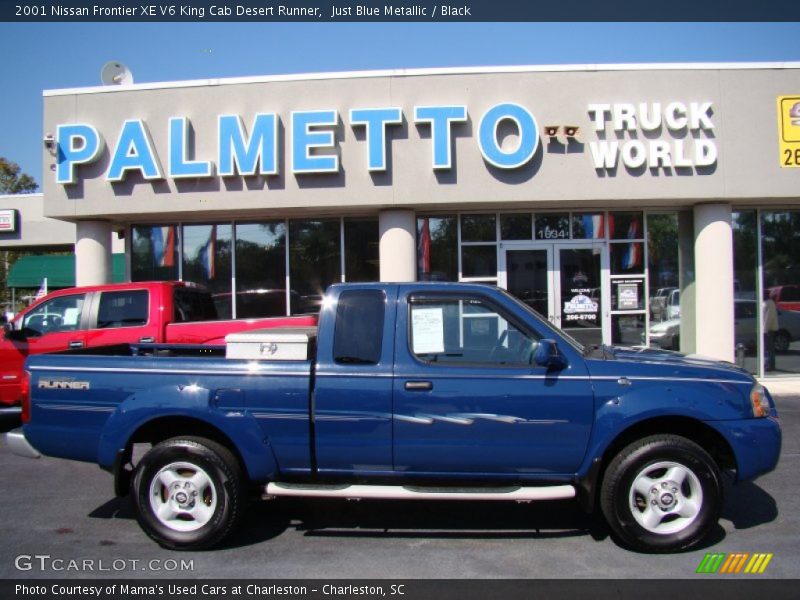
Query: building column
(713, 259)
(398, 247)
(93, 253)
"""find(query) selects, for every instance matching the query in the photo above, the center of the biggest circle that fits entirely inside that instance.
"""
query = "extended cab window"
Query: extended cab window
(58, 314)
(123, 309)
(193, 305)
(358, 335)
(467, 331)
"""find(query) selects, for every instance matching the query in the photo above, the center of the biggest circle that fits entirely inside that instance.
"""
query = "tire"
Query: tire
(782, 341)
(687, 496)
(188, 493)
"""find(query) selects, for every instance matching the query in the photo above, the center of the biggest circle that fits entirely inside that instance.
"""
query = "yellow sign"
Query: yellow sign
(789, 130)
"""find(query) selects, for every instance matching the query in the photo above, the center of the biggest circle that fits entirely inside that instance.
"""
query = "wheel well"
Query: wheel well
(700, 433)
(164, 428)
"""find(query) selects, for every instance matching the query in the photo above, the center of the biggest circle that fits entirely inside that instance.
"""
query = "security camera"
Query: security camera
(49, 141)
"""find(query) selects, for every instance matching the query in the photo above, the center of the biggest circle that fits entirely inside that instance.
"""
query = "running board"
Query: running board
(396, 492)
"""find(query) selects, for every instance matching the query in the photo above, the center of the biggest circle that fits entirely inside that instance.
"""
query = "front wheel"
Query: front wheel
(188, 493)
(782, 341)
(662, 493)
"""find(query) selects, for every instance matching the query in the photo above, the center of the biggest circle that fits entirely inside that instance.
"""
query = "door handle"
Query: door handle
(75, 345)
(147, 340)
(419, 386)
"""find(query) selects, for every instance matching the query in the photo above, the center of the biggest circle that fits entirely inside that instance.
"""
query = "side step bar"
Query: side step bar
(396, 492)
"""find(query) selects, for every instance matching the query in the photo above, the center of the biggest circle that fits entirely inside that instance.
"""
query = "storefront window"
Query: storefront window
(207, 260)
(260, 269)
(625, 226)
(588, 226)
(314, 261)
(361, 260)
(663, 273)
(627, 258)
(745, 309)
(479, 261)
(780, 239)
(154, 254)
(516, 227)
(478, 228)
(437, 249)
(553, 226)
(627, 330)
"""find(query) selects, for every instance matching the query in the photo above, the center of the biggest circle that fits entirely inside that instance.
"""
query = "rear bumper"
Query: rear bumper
(19, 445)
(10, 410)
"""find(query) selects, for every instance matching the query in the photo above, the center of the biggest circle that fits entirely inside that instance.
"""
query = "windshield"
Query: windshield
(557, 332)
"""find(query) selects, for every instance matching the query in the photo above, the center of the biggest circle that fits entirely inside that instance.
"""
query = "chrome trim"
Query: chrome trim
(11, 410)
(170, 371)
(77, 407)
(19, 445)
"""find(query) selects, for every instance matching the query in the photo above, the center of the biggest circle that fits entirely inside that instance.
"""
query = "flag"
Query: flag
(424, 250)
(207, 254)
(163, 239)
(632, 257)
(634, 232)
(42, 290)
(593, 227)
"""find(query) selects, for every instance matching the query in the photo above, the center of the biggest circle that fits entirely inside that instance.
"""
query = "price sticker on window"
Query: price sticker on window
(789, 130)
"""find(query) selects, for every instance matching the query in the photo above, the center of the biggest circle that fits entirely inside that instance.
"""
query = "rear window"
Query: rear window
(358, 336)
(193, 305)
(123, 309)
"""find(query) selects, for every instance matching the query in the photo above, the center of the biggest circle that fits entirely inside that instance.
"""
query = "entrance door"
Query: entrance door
(563, 283)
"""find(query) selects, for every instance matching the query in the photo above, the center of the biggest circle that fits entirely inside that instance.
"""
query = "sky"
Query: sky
(37, 57)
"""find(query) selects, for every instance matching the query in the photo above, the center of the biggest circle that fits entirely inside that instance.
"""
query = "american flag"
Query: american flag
(42, 290)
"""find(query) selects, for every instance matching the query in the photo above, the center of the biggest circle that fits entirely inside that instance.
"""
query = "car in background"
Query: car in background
(666, 334)
(786, 297)
(658, 303)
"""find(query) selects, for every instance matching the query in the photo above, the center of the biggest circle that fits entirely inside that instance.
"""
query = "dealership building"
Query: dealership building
(628, 204)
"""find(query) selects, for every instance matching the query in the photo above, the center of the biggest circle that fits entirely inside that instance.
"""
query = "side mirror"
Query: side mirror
(547, 355)
(15, 335)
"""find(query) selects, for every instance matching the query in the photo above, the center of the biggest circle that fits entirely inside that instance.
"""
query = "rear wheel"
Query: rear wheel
(662, 493)
(782, 341)
(188, 493)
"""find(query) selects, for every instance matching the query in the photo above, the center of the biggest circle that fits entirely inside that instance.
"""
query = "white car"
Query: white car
(745, 312)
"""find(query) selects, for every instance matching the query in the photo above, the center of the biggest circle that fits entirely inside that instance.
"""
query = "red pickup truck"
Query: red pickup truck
(169, 312)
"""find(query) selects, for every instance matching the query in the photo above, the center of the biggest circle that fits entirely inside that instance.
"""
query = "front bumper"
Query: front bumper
(19, 445)
(756, 443)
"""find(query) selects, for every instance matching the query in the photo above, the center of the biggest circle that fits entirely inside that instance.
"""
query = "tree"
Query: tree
(12, 181)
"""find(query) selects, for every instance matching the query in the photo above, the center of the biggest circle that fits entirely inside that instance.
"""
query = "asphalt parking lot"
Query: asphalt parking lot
(66, 511)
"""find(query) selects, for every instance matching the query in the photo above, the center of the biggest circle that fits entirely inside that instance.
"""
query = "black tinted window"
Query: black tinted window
(358, 335)
(193, 305)
(123, 309)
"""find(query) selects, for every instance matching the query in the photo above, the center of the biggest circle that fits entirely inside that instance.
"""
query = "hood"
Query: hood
(654, 356)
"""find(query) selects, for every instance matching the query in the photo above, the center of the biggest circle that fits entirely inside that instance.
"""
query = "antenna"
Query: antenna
(115, 73)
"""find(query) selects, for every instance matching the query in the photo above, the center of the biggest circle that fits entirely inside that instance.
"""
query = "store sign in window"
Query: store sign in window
(8, 221)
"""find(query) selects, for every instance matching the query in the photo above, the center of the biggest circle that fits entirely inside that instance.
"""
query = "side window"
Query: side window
(123, 309)
(193, 305)
(467, 331)
(58, 314)
(790, 293)
(358, 335)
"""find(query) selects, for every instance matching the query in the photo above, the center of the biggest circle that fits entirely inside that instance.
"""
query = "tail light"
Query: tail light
(25, 387)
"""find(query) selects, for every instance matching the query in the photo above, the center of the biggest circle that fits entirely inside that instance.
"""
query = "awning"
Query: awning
(30, 271)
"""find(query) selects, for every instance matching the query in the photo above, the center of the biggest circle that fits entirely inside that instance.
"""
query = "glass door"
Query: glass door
(578, 293)
(529, 277)
(563, 283)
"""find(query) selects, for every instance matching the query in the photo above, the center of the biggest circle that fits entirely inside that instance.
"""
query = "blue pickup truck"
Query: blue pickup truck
(407, 391)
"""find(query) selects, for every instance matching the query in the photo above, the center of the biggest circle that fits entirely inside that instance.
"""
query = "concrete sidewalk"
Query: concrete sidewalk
(784, 386)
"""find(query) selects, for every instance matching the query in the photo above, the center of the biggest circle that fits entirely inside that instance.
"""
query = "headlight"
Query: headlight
(759, 402)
